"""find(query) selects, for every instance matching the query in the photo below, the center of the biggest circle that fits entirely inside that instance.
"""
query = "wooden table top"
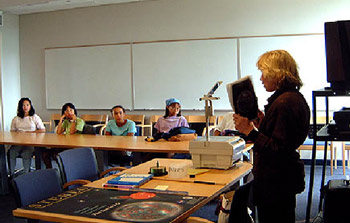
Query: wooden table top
(220, 177)
(223, 179)
(130, 143)
(122, 143)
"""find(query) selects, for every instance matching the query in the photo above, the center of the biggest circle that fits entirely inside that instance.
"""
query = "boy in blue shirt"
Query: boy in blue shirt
(120, 127)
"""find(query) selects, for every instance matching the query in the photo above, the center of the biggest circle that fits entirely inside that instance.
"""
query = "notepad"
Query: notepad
(191, 171)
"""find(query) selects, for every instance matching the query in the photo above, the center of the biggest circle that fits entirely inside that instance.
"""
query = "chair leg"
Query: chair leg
(335, 158)
(332, 158)
(343, 152)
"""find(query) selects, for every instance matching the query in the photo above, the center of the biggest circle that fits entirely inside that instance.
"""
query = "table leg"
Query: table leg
(102, 159)
(311, 183)
(3, 172)
(38, 158)
(323, 175)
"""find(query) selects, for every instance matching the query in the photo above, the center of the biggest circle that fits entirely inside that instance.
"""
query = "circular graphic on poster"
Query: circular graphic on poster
(151, 211)
(142, 195)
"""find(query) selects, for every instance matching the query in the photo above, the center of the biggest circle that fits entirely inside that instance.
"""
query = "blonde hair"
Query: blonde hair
(282, 68)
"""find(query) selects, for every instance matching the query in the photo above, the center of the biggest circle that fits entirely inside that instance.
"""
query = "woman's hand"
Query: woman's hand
(60, 130)
(62, 118)
(259, 119)
(242, 124)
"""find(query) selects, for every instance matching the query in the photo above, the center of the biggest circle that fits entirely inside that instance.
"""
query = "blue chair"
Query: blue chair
(80, 164)
(36, 186)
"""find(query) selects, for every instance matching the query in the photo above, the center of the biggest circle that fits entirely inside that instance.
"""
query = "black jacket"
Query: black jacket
(277, 169)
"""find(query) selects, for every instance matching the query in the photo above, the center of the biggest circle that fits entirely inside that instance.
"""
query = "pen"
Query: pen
(204, 182)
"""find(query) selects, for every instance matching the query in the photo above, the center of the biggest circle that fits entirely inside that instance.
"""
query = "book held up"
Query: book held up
(242, 97)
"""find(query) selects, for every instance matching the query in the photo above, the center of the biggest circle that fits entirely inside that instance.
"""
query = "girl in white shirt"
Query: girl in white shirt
(25, 121)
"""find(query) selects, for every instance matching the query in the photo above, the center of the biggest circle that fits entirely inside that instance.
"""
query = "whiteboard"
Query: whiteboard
(96, 77)
(308, 51)
(185, 70)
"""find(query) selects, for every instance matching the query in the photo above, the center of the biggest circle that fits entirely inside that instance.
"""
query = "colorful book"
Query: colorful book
(119, 186)
(130, 179)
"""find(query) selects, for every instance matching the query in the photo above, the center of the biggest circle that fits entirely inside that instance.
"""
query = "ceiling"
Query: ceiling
(20, 7)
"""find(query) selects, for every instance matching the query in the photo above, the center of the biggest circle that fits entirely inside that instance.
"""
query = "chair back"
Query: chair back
(138, 119)
(54, 120)
(36, 186)
(93, 123)
(139, 122)
(220, 118)
(153, 120)
(48, 125)
(94, 119)
(79, 163)
(198, 122)
(90, 129)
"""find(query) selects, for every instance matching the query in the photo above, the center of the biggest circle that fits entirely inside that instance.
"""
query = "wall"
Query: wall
(161, 20)
(10, 69)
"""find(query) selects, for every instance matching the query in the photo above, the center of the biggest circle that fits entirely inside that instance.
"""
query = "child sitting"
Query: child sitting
(172, 117)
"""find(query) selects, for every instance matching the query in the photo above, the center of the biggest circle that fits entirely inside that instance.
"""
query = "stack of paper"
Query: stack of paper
(128, 180)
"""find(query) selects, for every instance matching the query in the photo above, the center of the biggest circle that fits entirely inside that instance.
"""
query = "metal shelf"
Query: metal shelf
(322, 135)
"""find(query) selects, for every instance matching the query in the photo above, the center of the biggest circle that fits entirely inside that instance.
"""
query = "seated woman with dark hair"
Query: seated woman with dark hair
(69, 122)
(25, 121)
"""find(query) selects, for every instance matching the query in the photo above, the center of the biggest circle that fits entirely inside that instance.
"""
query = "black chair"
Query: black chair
(198, 122)
(94, 123)
(90, 129)
(80, 164)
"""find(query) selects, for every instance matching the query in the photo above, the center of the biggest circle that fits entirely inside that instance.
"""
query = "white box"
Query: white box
(220, 152)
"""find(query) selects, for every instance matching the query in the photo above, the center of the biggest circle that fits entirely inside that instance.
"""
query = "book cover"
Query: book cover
(119, 205)
(130, 179)
(119, 186)
(242, 98)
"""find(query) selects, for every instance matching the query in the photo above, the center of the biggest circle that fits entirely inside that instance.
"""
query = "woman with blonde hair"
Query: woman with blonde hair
(278, 170)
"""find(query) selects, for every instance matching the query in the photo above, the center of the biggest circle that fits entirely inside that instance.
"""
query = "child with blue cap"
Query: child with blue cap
(172, 117)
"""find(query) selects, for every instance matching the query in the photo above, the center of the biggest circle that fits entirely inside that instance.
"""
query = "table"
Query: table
(105, 143)
(223, 179)
(122, 143)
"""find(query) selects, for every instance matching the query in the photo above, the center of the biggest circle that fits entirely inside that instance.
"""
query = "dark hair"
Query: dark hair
(117, 106)
(20, 112)
(64, 108)
(167, 112)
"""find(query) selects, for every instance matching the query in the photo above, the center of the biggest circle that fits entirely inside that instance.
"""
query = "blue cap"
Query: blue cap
(170, 101)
